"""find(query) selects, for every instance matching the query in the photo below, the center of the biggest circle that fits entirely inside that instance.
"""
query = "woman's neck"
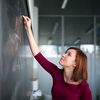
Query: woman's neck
(67, 75)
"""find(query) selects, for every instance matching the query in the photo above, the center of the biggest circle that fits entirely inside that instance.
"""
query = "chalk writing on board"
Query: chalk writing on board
(18, 7)
(19, 64)
(14, 95)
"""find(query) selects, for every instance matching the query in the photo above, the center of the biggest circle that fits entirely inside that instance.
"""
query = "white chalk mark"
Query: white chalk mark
(14, 95)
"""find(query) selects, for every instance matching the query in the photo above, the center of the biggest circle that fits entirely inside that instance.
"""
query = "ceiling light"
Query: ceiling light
(77, 41)
(55, 27)
(90, 30)
(64, 4)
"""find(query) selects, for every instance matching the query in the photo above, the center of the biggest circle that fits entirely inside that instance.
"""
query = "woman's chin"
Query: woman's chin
(60, 63)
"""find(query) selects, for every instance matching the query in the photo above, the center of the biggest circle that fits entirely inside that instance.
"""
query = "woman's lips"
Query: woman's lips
(61, 59)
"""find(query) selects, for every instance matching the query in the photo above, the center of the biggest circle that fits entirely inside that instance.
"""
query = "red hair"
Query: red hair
(80, 72)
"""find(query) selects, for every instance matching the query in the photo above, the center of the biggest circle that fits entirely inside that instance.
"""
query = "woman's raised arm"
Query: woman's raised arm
(32, 42)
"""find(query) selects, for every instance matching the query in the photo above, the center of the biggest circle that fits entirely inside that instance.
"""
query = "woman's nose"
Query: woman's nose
(63, 55)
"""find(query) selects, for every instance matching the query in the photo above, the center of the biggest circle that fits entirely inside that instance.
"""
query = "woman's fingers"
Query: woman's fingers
(26, 18)
(27, 22)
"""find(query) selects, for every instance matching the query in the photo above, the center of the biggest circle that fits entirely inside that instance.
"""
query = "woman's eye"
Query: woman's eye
(69, 54)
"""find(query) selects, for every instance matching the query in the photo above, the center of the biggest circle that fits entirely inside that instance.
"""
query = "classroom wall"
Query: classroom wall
(15, 60)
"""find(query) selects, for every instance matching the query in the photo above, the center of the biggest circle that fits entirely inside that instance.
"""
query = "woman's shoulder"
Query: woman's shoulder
(85, 91)
(84, 83)
(84, 86)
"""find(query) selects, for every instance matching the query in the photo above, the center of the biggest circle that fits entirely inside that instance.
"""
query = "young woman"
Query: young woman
(69, 83)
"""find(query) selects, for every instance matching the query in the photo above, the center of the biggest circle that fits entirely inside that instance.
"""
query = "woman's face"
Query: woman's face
(68, 59)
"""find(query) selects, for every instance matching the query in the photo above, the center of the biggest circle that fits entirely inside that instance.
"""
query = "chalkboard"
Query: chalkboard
(15, 82)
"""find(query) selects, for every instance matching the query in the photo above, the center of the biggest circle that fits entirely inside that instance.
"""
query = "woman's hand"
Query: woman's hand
(27, 23)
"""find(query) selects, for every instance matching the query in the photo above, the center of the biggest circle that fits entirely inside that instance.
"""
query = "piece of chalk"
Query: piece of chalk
(22, 15)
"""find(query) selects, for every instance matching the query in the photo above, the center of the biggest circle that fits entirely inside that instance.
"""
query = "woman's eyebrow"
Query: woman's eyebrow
(69, 52)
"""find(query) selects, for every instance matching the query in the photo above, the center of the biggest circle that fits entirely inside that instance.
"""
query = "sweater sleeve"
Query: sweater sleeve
(86, 93)
(47, 65)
